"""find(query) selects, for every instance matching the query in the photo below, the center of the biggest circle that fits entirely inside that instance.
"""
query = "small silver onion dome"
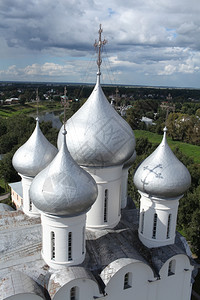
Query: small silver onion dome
(162, 174)
(63, 188)
(130, 161)
(97, 135)
(34, 155)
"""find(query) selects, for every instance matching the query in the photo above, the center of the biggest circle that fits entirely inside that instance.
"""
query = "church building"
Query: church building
(77, 237)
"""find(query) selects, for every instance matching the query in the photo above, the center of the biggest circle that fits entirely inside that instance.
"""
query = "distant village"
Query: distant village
(122, 98)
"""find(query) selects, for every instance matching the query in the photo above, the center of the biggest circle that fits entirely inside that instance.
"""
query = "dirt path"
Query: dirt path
(4, 196)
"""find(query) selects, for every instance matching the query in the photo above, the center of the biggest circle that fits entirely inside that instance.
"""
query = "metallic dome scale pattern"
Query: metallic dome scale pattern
(63, 188)
(130, 161)
(34, 155)
(162, 174)
(97, 135)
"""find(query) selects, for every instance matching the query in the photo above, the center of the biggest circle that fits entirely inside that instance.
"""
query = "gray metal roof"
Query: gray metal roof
(97, 135)
(63, 188)
(162, 174)
(17, 282)
(17, 187)
(62, 277)
(34, 155)
(5, 207)
(20, 250)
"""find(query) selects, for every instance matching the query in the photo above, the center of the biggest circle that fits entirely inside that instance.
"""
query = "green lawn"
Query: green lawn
(192, 151)
(11, 110)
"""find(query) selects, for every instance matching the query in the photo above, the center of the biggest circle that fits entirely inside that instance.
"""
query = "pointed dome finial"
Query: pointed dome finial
(99, 46)
(164, 140)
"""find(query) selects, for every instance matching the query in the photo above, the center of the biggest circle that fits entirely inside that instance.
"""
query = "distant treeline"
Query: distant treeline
(125, 93)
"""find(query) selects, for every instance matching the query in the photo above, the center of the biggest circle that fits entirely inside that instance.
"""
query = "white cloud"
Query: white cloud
(168, 70)
(47, 38)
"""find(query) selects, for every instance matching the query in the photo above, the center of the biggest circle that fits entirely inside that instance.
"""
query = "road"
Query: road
(4, 196)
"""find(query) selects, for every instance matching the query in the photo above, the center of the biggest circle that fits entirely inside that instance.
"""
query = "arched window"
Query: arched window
(83, 241)
(53, 248)
(74, 293)
(120, 200)
(154, 226)
(171, 267)
(169, 225)
(30, 205)
(127, 280)
(70, 246)
(142, 222)
(105, 215)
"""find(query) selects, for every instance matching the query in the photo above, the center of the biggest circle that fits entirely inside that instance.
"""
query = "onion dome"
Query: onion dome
(34, 155)
(97, 135)
(130, 161)
(162, 174)
(63, 188)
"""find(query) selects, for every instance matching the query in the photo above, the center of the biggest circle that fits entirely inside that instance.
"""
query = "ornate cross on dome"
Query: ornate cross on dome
(100, 45)
(64, 103)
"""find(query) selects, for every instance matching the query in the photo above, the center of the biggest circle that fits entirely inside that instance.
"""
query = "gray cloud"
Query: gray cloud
(156, 37)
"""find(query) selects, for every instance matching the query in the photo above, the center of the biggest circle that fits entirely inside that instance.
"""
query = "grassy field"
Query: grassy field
(187, 149)
(12, 110)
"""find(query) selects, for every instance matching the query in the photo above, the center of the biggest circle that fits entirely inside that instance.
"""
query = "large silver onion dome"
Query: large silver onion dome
(97, 135)
(162, 174)
(130, 161)
(34, 155)
(63, 188)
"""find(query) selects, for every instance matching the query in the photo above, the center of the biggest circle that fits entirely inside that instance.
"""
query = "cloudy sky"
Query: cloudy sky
(150, 42)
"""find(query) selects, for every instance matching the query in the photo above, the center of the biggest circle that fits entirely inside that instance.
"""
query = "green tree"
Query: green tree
(184, 128)
(193, 232)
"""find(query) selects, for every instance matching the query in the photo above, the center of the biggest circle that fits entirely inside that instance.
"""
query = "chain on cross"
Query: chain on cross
(64, 103)
(99, 45)
(37, 100)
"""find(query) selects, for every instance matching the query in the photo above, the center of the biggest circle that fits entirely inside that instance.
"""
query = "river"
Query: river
(52, 117)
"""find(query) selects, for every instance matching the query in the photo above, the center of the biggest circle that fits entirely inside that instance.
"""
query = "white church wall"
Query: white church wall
(175, 283)
(28, 207)
(24, 296)
(149, 206)
(85, 289)
(124, 187)
(137, 287)
(64, 252)
(107, 215)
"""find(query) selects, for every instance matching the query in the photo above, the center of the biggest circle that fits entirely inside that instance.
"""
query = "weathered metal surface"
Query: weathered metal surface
(64, 276)
(18, 283)
(5, 207)
(130, 161)
(20, 248)
(162, 174)
(63, 188)
(34, 155)
(17, 187)
(97, 135)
